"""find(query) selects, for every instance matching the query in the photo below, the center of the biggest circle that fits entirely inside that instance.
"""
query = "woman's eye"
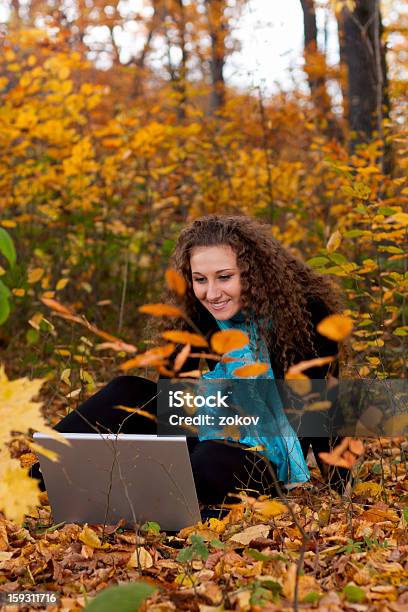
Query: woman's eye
(226, 277)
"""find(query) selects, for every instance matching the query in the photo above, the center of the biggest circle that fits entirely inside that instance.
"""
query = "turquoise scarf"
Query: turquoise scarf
(283, 450)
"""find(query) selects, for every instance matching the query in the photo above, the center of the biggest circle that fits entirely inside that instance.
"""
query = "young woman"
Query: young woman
(238, 277)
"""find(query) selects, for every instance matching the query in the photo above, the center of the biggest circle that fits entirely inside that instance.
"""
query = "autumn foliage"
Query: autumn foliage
(99, 171)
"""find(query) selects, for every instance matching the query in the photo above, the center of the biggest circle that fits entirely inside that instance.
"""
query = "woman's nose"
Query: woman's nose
(213, 292)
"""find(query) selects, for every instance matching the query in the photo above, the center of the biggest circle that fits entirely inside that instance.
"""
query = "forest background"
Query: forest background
(100, 168)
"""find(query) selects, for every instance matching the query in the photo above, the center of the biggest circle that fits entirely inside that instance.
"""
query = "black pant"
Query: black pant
(218, 468)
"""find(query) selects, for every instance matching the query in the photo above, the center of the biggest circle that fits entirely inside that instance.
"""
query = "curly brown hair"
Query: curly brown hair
(277, 287)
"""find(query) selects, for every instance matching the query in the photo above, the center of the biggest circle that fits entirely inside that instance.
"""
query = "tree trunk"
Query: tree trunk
(315, 68)
(217, 29)
(367, 83)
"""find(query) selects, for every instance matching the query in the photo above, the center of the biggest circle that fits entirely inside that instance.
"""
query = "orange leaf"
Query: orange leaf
(151, 357)
(305, 365)
(228, 340)
(335, 327)
(298, 382)
(175, 281)
(184, 337)
(163, 370)
(340, 448)
(356, 446)
(377, 515)
(331, 459)
(117, 346)
(140, 411)
(191, 374)
(182, 357)
(54, 305)
(252, 369)
(161, 310)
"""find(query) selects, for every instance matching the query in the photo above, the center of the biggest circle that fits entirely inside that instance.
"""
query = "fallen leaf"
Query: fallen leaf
(140, 558)
(250, 533)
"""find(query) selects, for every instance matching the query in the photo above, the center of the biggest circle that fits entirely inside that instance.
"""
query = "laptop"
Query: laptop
(102, 478)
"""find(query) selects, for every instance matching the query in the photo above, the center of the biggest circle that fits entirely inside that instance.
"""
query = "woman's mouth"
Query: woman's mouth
(219, 305)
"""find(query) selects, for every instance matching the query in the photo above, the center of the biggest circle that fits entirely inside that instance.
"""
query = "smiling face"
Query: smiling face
(216, 280)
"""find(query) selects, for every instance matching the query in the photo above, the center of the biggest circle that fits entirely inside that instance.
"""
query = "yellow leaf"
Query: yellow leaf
(161, 310)
(269, 507)
(35, 275)
(63, 73)
(140, 558)
(18, 411)
(252, 369)
(184, 580)
(228, 340)
(8, 223)
(367, 489)
(62, 283)
(19, 494)
(65, 376)
(175, 281)
(18, 292)
(37, 448)
(335, 327)
(216, 525)
(89, 537)
(401, 218)
(318, 406)
(334, 242)
(184, 337)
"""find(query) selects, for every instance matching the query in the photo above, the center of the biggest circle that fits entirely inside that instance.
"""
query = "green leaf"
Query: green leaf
(4, 308)
(355, 233)
(32, 336)
(217, 544)
(387, 212)
(7, 247)
(317, 262)
(151, 526)
(185, 555)
(199, 547)
(354, 594)
(390, 249)
(168, 246)
(311, 597)
(273, 586)
(4, 290)
(338, 258)
(376, 468)
(405, 514)
(124, 597)
(401, 331)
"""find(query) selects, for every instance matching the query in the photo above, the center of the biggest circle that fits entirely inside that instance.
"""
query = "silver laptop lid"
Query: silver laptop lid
(101, 478)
